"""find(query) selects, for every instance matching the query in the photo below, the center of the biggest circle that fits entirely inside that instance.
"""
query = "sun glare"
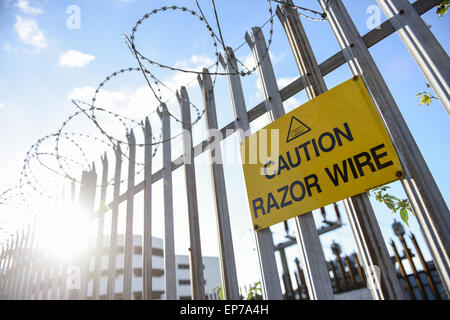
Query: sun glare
(65, 232)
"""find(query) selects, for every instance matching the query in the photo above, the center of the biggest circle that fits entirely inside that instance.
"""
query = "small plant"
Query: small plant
(442, 8)
(218, 290)
(425, 98)
(254, 291)
(393, 203)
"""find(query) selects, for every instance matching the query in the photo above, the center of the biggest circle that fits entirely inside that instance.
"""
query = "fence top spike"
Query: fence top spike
(200, 80)
(222, 62)
(279, 13)
(248, 39)
(117, 148)
(255, 30)
(130, 137)
(147, 123)
(184, 93)
(105, 159)
(147, 131)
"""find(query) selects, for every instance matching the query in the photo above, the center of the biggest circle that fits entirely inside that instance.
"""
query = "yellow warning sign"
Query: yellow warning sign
(331, 148)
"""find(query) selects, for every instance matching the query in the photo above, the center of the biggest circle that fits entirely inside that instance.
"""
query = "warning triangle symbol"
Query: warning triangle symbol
(296, 129)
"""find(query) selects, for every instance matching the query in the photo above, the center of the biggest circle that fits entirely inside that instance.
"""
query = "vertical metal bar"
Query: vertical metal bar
(28, 264)
(63, 280)
(22, 265)
(147, 245)
(336, 278)
(299, 286)
(350, 271)
(288, 282)
(87, 199)
(11, 265)
(2, 261)
(425, 268)
(6, 268)
(413, 267)
(112, 261)
(359, 268)
(403, 272)
(129, 248)
(100, 227)
(342, 271)
(373, 250)
(5, 271)
(308, 241)
(424, 195)
(45, 276)
(196, 261)
(54, 280)
(426, 50)
(15, 264)
(228, 265)
(169, 242)
(19, 264)
(264, 242)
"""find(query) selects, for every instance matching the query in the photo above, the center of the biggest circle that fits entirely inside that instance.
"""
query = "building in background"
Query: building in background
(211, 271)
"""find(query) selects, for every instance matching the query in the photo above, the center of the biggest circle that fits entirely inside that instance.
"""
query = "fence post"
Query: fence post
(289, 290)
(87, 199)
(15, 265)
(428, 53)
(308, 241)
(263, 238)
(407, 253)
(28, 271)
(100, 226)
(19, 266)
(425, 268)
(424, 195)
(2, 260)
(20, 263)
(227, 261)
(169, 242)
(112, 260)
(147, 246)
(8, 278)
(128, 245)
(195, 256)
(403, 272)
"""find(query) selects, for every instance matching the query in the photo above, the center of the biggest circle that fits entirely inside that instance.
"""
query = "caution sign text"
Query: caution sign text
(328, 149)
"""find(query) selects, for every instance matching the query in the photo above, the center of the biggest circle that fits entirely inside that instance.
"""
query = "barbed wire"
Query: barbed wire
(67, 166)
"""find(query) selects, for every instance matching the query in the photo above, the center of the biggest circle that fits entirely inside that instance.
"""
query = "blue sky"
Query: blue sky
(43, 64)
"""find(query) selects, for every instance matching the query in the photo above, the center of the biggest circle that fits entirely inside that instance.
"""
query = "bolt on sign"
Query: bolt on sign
(331, 148)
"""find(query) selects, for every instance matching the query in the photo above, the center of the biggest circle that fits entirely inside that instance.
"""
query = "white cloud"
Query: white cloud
(1, 105)
(24, 5)
(249, 61)
(75, 59)
(106, 98)
(283, 82)
(138, 102)
(9, 48)
(30, 33)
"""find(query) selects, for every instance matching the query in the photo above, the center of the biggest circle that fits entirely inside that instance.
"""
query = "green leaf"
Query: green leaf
(404, 215)
(425, 100)
(442, 8)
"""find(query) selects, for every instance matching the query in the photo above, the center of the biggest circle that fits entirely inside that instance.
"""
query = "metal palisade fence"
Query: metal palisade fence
(26, 272)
